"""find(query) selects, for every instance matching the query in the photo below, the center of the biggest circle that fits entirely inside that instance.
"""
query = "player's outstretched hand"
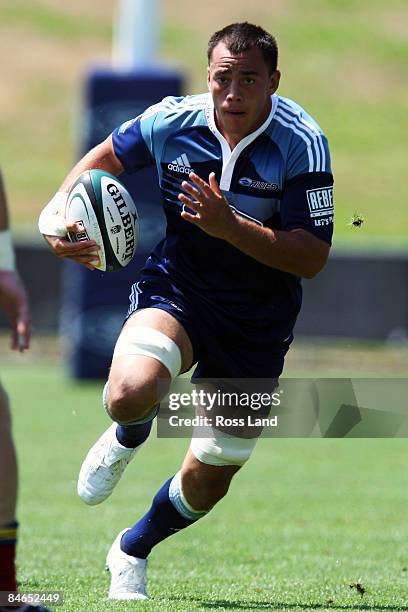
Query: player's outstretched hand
(14, 301)
(84, 252)
(212, 211)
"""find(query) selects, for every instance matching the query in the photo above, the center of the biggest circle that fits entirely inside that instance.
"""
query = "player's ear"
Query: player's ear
(274, 81)
(208, 77)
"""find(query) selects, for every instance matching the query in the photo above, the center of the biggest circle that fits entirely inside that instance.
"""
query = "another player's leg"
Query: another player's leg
(8, 498)
(153, 347)
(183, 499)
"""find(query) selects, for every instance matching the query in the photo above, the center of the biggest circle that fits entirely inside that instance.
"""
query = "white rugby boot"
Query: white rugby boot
(128, 574)
(103, 467)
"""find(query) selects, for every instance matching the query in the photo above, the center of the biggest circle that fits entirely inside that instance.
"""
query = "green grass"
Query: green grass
(303, 520)
(53, 22)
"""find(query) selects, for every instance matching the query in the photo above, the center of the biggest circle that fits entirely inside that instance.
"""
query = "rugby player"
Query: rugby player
(246, 184)
(14, 302)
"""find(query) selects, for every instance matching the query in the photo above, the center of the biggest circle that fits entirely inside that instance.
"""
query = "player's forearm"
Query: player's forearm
(101, 157)
(296, 252)
(7, 258)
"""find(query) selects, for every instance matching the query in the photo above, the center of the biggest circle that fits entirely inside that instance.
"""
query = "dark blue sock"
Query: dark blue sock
(162, 521)
(132, 436)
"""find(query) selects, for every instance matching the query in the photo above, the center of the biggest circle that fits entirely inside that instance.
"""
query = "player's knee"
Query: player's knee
(128, 400)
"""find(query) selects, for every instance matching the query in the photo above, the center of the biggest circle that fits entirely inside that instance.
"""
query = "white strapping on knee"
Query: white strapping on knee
(150, 417)
(151, 343)
(179, 501)
(222, 449)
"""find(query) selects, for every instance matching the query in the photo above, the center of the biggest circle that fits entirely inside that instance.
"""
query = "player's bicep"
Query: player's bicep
(130, 146)
(307, 204)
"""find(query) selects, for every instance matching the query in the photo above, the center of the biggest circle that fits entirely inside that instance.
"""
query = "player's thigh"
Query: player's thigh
(164, 322)
(139, 376)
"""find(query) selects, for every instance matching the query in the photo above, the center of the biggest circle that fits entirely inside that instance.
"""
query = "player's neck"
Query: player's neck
(233, 139)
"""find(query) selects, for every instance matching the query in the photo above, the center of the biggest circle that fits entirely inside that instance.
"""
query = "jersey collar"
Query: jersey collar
(230, 157)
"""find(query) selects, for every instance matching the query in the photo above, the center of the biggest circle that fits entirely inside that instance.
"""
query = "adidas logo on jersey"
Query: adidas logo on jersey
(181, 164)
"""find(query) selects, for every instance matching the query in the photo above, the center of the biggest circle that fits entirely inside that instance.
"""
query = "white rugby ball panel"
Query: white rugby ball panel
(120, 219)
(79, 209)
(108, 216)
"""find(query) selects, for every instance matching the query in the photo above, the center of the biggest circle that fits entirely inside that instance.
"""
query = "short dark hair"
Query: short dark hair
(240, 37)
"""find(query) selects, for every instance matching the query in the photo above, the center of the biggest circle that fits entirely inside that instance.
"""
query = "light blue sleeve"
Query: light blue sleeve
(137, 142)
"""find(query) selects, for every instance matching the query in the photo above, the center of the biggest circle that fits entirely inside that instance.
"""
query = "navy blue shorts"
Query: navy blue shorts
(222, 345)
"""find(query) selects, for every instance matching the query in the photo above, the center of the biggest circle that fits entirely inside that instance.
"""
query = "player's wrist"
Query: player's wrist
(7, 257)
(52, 218)
(232, 229)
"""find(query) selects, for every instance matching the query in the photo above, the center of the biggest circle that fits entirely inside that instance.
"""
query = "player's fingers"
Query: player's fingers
(73, 226)
(91, 259)
(22, 333)
(65, 248)
(214, 184)
(202, 185)
(19, 340)
(188, 202)
(191, 218)
(191, 190)
(78, 246)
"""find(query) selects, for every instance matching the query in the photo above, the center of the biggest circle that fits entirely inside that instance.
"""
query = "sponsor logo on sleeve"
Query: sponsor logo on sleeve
(320, 203)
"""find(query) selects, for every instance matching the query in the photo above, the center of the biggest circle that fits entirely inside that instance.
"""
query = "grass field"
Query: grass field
(344, 60)
(303, 521)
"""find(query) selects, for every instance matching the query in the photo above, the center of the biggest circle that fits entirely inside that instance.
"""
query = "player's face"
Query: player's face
(241, 87)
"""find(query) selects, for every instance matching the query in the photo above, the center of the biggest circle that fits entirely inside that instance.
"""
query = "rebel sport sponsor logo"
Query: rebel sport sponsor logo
(255, 184)
(320, 201)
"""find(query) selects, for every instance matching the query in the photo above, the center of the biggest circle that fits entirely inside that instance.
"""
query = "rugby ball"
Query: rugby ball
(105, 210)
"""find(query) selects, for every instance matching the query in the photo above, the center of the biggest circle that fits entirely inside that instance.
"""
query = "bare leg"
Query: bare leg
(204, 485)
(8, 464)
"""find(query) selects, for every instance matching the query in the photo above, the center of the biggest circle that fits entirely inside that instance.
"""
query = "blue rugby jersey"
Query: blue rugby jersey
(278, 176)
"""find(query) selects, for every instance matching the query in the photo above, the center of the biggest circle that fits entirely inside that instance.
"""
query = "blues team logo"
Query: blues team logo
(256, 184)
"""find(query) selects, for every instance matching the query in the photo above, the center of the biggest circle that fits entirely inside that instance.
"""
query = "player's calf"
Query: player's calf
(204, 485)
